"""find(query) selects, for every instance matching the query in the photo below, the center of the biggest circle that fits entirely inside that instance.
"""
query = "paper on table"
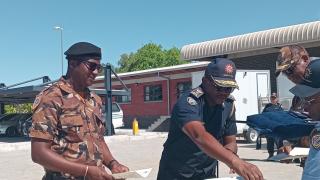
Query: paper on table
(142, 173)
(298, 151)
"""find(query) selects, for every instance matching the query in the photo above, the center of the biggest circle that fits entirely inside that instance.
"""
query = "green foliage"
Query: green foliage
(18, 108)
(149, 56)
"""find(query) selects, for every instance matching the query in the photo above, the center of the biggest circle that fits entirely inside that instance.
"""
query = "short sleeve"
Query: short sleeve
(44, 118)
(231, 127)
(187, 109)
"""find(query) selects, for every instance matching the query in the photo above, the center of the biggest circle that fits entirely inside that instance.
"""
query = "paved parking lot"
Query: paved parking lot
(139, 152)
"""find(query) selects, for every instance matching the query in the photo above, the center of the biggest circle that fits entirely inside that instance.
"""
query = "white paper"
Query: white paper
(142, 173)
(299, 151)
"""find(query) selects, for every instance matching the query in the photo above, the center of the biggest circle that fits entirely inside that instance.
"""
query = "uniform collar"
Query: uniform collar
(65, 86)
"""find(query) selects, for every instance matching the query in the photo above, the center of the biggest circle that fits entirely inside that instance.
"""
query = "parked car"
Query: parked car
(117, 115)
(10, 124)
(25, 126)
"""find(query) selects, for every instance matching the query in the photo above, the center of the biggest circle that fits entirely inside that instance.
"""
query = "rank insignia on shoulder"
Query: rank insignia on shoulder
(191, 101)
(197, 92)
(315, 139)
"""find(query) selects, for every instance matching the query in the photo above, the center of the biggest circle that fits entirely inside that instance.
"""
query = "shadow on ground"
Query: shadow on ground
(13, 139)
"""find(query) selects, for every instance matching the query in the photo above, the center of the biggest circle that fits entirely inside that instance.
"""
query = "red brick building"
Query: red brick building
(149, 98)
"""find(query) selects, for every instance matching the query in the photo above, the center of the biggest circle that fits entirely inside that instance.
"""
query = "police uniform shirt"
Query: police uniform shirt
(311, 169)
(180, 154)
(272, 107)
(73, 124)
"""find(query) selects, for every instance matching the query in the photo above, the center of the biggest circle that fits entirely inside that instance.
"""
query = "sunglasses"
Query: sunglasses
(290, 70)
(93, 66)
(306, 103)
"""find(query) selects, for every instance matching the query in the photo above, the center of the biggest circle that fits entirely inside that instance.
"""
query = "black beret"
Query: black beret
(81, 49)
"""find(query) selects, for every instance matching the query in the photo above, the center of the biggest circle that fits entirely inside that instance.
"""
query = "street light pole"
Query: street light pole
(61, 45)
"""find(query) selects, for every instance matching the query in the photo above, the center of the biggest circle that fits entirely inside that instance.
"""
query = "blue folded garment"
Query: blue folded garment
(281, 124)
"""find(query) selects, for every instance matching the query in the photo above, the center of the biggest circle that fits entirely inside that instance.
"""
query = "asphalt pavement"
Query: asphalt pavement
(137, 152)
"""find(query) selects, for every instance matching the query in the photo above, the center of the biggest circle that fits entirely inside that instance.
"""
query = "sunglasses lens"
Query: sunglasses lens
(224, 89)
(94, 66)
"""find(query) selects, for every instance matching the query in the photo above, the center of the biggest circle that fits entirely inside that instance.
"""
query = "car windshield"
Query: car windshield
(115, 107)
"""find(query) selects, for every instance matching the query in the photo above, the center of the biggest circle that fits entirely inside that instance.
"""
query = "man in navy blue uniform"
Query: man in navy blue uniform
(309, 91)
(273, 106)
(203, 129)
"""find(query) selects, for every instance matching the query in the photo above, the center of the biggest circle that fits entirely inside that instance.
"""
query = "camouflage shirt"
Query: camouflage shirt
(73, 124)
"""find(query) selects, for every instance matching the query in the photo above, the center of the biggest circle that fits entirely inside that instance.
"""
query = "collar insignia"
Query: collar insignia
(191, 101)
(197, 92)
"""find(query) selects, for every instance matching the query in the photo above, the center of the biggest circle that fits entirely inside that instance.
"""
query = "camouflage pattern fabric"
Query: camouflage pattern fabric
(73, 124)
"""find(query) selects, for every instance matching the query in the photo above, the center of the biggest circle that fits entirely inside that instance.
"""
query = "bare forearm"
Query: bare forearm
(54, 162)
(230, 144)
(106, 153)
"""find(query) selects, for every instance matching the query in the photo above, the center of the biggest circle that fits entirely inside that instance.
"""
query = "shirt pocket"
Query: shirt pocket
(72, 128)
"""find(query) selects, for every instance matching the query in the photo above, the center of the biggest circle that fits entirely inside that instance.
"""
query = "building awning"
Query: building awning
(272, 38)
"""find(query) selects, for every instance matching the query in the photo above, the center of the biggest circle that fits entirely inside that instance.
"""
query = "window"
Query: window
(183, 87)
(153, 93)
(124, 99)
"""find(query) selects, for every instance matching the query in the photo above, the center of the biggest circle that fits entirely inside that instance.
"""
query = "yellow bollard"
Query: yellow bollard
(135, 126)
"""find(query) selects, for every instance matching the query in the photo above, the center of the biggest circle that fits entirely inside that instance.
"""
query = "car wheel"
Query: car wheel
(25, 130)
(11, 132)
(251, 135)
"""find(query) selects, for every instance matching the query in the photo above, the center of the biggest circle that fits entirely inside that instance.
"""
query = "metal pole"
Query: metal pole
(61, 45)
(108, 99)
(2, 108)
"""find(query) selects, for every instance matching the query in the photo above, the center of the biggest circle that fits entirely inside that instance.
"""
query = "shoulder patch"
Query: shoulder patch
(197, 92)
(36, 101)
(191, 101)
(315, 139)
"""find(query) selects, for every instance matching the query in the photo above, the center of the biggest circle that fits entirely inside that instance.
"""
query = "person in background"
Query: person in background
(203, 129)
(309, 91)
(292, 62)
(274, 105)
(67, 126)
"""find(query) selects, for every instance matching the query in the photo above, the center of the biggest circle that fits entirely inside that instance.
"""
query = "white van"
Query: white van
(117, 115)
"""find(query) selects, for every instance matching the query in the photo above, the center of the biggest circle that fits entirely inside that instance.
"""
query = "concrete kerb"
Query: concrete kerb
(22, 146)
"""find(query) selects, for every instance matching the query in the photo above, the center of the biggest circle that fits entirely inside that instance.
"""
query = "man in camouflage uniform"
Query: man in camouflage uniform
(67, 126)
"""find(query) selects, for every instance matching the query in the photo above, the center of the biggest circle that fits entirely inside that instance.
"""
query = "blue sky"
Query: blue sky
(30, 47)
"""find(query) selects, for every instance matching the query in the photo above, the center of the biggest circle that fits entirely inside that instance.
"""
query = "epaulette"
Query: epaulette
(197, 92)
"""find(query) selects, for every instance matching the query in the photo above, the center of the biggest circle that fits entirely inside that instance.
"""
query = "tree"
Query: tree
(18, 108)
(149, 56)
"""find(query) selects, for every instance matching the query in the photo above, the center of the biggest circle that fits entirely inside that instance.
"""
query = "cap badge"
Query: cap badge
(307, 73)
(228, 69)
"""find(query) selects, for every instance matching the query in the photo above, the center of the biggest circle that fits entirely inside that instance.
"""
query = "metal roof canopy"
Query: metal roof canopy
(19, 95)
(27, 94)
(261, 41)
